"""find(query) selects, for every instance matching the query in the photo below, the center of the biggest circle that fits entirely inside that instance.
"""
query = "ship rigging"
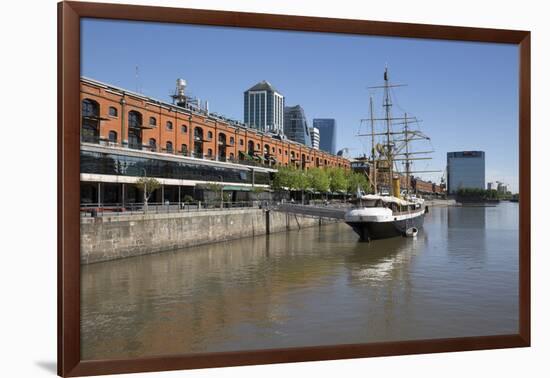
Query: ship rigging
(389, 211)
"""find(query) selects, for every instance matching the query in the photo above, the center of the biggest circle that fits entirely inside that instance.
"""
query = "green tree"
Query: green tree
(357, 179)
(283, 178)
(148, 185)
(318, 179)
(338, 179)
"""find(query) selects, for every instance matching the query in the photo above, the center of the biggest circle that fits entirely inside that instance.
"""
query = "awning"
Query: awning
(237, 188)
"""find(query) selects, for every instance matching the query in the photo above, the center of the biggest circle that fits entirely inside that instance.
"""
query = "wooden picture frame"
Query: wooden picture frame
(69, 15)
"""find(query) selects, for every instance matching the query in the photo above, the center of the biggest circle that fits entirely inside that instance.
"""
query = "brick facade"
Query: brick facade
(166, 124)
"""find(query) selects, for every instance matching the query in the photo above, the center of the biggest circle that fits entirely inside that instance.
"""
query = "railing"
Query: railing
(115, 209)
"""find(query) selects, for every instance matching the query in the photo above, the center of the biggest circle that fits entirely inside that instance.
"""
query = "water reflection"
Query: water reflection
(471, 217)
(310, 287)
(384, 260)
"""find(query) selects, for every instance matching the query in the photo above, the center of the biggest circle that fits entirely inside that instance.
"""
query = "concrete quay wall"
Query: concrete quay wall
(441, 202)
(108, 238)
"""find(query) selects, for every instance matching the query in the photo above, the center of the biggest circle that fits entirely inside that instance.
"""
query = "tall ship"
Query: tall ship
(389, 211)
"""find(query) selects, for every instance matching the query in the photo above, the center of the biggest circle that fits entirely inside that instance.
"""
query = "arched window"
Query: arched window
(209, 153)
(152, 121)
(231, 141)
(231, 156)
(169, 125)
(241, 142)
(222, 146)
(113, 112)
(197, 144)
(169, 147)
(90, 121)
(112, 136)
(152, 144)
(266, 149)
(258, 147)
(90, 108)
(184, 149)
(250, 147)
(184, 129)
(198, 134)
(209, 135)
(135, 122)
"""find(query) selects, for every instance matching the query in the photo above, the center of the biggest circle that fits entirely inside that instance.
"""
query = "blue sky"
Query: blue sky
(466, 94)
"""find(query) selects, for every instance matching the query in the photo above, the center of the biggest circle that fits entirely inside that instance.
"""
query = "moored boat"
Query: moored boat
(381, 217)
(399, 213)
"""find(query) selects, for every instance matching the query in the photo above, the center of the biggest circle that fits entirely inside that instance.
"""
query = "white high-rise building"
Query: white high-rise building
(502, 188)
(264, 108)
(315, 137)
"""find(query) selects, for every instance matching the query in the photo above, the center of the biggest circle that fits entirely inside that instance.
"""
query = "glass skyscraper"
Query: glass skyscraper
(296, 128)
(327, 134)
(264, 108)
(465, 169)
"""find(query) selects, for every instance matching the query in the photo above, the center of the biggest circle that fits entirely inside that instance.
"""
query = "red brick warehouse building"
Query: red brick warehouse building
(125, 135)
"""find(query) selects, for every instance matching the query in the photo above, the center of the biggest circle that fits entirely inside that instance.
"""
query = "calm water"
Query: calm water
(316, 286)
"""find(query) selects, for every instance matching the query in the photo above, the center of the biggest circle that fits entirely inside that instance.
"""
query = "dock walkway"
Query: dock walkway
(312, 211)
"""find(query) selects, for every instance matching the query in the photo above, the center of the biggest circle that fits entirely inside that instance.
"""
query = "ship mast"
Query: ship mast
(373, 149)
(387, 105)
(407, 157)
(392, 151)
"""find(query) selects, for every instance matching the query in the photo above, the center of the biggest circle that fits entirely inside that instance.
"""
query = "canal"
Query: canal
(316, 286)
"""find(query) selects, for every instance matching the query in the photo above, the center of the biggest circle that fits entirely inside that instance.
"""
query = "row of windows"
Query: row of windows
(153, 123)
(113, 164)
(90, 126)
(90, 108)
(113, 137)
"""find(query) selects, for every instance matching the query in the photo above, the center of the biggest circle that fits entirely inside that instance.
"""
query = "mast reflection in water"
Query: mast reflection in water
(317, 286)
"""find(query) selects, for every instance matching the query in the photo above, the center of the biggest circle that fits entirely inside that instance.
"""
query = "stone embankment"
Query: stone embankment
(118, 236)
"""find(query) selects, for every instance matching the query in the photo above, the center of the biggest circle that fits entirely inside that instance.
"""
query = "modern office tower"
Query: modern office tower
(295, 125)
(502, 188)
(314, 133)
(465, 169)
(327, 134)
(264, 108)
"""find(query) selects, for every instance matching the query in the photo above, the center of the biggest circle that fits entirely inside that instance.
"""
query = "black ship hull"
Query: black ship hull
(382, 230)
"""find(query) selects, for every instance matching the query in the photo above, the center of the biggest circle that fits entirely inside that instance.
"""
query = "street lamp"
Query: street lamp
(221, 192)
(145, 188)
